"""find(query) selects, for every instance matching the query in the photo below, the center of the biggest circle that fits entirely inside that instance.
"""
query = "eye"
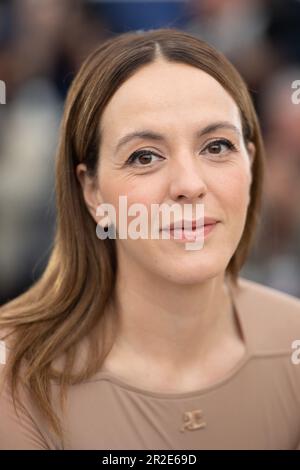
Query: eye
(143, 156)
(215, 147)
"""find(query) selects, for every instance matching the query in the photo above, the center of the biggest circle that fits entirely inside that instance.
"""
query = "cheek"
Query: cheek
(232, 189)
(137, 190)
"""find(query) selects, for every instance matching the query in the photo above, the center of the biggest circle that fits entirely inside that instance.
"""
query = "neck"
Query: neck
(172, 327)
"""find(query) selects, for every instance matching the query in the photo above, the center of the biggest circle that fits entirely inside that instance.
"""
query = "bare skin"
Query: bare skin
(165, 354)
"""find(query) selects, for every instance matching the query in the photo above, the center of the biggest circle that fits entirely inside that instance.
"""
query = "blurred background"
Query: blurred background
(43, 43)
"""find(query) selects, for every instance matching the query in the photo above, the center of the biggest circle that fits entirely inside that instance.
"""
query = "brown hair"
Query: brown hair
(72, 296)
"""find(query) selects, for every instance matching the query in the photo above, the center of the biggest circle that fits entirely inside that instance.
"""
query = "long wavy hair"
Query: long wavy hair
(70, 301)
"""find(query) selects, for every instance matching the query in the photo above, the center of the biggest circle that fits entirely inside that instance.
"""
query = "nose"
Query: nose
(187, 179)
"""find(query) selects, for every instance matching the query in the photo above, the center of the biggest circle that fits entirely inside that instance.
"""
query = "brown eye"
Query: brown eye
(141, 158)
(216, 146)
(144, 159)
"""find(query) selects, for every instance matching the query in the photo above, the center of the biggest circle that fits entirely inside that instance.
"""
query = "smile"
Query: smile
(183, 234)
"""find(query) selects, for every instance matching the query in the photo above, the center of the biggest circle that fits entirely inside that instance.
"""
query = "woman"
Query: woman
(138, 342)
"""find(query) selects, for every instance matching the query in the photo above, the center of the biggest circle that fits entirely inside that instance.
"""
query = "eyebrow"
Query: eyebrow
(148, 134)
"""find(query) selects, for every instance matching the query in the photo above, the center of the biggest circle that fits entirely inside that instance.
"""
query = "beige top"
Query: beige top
(255, 406)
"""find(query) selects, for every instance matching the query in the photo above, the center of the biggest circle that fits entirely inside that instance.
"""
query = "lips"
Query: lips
(196, 223)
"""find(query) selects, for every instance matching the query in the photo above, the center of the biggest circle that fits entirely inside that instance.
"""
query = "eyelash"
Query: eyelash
(139, 153)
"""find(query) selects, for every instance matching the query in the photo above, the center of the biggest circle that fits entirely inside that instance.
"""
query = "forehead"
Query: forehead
(168, 94)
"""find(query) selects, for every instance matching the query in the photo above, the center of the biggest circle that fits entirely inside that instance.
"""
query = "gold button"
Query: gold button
(193, 420)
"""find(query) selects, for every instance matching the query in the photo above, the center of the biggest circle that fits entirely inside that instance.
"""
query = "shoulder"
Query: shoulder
(273, 300)
(271, 317)
(22, 426)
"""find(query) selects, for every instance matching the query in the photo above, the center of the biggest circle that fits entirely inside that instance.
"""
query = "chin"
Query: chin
(193, 273)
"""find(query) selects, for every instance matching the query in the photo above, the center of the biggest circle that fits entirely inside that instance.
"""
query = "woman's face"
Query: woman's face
(178, 102)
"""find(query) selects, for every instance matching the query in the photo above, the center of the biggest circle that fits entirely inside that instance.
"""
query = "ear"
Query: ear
(251, 152)
(90, 190)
